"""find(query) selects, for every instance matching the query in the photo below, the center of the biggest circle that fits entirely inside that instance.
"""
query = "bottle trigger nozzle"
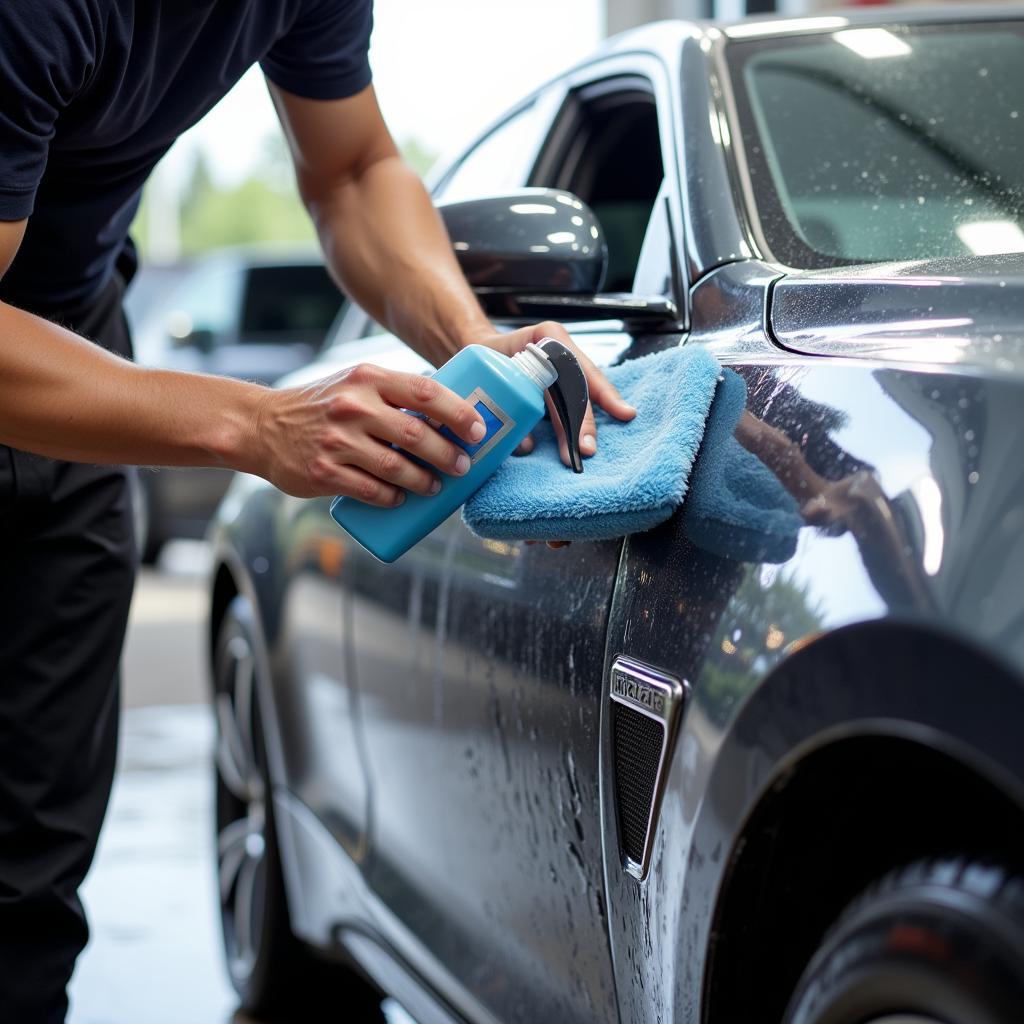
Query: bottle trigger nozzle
(569, 395)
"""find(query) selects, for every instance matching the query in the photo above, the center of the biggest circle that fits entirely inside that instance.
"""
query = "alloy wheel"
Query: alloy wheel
(241, 807)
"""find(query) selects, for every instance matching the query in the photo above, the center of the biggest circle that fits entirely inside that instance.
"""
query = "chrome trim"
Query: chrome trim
(738, 166)
(660, 696)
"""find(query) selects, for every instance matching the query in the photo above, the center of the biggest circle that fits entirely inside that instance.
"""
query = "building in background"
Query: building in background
(623, 14)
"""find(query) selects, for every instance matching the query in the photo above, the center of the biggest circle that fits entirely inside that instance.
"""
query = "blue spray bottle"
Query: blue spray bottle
(509, 395)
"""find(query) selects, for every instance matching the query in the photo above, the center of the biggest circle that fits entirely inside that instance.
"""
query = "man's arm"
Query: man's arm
(385, 242)
(65, 397)
(382, 237)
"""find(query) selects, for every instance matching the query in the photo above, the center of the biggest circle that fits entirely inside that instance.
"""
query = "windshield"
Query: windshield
(895, 143)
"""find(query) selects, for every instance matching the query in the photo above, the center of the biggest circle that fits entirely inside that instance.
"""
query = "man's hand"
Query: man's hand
(855, 502)
(387, 245)
(336, 436)
(602, 391)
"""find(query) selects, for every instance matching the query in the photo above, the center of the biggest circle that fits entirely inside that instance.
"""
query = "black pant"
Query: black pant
(67, 566)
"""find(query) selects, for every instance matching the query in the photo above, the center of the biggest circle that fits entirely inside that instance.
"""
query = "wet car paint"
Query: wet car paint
(968, 309)
(472, 678)
(483, 758)
(943, 553)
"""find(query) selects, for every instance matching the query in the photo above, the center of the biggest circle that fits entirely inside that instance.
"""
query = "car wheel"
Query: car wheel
(270, 969)
(938, 942)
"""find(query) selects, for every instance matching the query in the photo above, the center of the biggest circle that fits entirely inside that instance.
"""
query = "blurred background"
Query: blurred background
(231, 283)
(228, 181)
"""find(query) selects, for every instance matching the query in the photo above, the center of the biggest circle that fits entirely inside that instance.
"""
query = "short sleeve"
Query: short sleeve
(42, 53)
(325, 53)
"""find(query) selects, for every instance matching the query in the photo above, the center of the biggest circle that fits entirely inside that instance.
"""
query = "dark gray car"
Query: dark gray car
(671, 778)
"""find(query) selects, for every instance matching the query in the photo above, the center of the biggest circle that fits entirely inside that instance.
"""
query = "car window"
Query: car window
(502, 160)
(886, 143)
(289, 302)
(611, 159)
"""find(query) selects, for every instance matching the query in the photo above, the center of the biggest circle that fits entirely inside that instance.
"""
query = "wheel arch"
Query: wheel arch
(224, 590)
(233, 554)
(230, 580)
(873, 745)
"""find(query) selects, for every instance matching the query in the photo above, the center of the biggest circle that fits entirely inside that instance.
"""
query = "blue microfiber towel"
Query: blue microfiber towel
(736, 507)
(635, 480)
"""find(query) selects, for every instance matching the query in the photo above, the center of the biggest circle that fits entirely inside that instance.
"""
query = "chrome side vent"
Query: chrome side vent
(645, 711)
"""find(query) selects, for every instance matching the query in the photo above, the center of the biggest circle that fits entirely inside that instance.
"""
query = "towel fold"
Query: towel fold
(682, 438)
(737, 508)
(635, 480)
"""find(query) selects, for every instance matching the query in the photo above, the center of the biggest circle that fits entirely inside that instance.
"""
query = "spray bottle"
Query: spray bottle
(508, 393)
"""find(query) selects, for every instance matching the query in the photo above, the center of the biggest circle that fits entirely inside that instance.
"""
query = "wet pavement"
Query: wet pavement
(155, 954)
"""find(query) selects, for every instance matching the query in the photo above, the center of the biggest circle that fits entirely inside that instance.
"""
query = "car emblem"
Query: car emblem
(645, 712)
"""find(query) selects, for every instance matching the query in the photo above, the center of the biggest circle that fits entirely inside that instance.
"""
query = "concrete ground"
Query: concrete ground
(155, 955)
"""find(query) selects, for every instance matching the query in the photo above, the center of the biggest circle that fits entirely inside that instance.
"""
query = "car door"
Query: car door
(481, 665)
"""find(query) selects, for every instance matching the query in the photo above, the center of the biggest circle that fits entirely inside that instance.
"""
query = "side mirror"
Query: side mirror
(541, 253)
(536, 239)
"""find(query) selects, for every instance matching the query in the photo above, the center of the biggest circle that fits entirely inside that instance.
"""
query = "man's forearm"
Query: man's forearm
(67, 398)
(388, 247)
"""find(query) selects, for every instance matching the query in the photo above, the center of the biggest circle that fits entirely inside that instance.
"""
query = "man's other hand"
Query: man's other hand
(602, 391)
(336, 436)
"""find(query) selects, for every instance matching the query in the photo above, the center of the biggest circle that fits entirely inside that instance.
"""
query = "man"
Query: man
(92, 93)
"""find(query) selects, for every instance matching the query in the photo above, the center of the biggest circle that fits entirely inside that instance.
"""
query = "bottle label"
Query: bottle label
(496, 420)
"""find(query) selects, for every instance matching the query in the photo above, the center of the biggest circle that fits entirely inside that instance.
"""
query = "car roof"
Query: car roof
(666, 38)
(656, 35)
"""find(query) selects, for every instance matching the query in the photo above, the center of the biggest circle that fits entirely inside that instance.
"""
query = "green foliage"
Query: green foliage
(759, 622)
(418, 156)
(263, 208)
(784, 604)
(250, 212)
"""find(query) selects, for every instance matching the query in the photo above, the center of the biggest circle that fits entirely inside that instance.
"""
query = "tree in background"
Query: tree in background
(419, 157)
(263, 208)
(763, 615)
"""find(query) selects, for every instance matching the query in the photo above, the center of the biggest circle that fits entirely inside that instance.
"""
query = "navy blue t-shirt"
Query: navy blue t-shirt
(93, 92)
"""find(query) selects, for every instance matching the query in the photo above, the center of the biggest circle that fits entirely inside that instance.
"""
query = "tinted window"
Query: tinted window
(886, 143)
(502, 160)
(607, 151)
(618, 174)
(289, 302)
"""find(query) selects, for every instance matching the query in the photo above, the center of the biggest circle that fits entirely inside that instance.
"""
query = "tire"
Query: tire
(937, 942)
(270, 969)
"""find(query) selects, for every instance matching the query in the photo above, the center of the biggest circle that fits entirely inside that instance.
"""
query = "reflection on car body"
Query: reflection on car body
(451, 790)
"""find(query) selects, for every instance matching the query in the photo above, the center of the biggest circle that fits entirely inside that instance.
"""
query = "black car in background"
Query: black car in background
(657, 779)
(244, 312)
